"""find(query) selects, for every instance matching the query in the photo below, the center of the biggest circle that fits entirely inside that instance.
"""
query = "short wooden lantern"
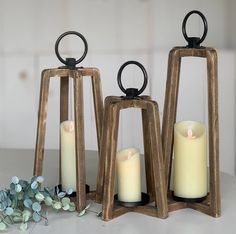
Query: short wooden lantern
(155, 176)
(77, 74)
(212, 205)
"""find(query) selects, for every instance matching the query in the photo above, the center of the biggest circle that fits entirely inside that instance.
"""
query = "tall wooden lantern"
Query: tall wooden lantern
(77, 74)
(210, 202)
(155, 176)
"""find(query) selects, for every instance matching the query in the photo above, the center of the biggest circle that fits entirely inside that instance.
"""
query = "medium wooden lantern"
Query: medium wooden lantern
(77, 74)
(212, 204)
(155, 176)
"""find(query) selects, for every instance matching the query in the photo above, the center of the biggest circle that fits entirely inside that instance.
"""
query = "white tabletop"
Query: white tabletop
(186, 221)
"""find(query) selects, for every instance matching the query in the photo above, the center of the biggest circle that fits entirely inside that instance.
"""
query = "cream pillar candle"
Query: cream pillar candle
(68, 162)
(128, 175)
(190, 160)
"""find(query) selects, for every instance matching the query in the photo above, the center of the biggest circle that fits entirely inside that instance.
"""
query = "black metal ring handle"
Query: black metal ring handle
(71, 33)
(132, 91)
(194, 41)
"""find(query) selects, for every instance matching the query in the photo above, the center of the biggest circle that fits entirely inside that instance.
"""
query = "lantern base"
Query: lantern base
(144, 200)
(87, 189)
(190, 200)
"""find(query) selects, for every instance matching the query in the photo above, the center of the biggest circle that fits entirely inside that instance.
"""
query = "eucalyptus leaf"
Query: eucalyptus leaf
(17, 219)
(57, 205)
(65, 201)
(40, 179)
(72, 207)
(15, 180)
(3, 195)
(17, 213)
(18, 188)
(3, 226)
(8, 201)
(13, 192)
(23, 226)
(69, 191)
(87, 207)
(12, 186)
(34, 185)
(61, 194)
(48, 201)
(7, 220)
(66, 207)
(2, 206)
(39, 196)
(30, 193)
(20, 195)
(36, 217)
(26, 215)
(28, 203)
(36, 207)
(81, 213)
(9, 211)
(34, 178)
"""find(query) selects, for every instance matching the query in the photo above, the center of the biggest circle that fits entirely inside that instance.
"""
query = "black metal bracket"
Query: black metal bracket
(71, 62)
(132, 93)
(194, 42)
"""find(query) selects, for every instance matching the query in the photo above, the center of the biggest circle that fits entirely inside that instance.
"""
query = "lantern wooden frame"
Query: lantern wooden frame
(77, 74)
(212, 205)
(155, 175)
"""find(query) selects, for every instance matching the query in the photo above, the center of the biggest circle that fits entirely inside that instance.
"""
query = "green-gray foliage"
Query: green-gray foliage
(23, 202)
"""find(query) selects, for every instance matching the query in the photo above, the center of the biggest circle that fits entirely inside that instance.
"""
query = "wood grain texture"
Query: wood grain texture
(79, 139)
(110, 163)
(41, 128)
(213, 204)
(64, 109)
(157, 186)
(147, 154)
(77, 75)
(157, 162)
(104, 149)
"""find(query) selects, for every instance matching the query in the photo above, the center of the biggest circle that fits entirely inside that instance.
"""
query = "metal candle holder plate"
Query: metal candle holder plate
(77, 74)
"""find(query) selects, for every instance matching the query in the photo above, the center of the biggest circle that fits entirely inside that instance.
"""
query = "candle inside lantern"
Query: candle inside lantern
(68, 162)
(128, 175)
(190, 160)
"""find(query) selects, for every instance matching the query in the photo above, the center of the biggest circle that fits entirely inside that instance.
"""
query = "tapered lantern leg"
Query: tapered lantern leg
(41, 129)
(109, 184)
(79, 142)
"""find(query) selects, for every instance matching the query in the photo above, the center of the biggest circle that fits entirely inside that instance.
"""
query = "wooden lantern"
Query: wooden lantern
(212, 205)
(77, 74)
(155, 176)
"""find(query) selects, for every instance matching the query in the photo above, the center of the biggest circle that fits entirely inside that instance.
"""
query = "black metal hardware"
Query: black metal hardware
(71, 62)
(194, 42)
(132, 93)
(145, 199)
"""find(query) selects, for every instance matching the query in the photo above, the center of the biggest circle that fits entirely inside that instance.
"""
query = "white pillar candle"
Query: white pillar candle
(190, 160)
(128, 175)
(68, 162)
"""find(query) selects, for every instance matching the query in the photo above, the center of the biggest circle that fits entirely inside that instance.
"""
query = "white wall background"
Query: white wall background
(116, 31)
